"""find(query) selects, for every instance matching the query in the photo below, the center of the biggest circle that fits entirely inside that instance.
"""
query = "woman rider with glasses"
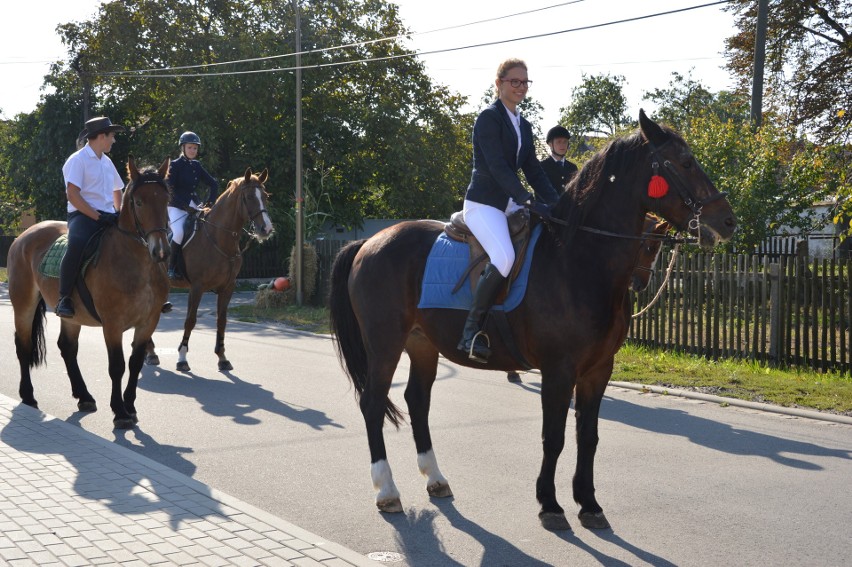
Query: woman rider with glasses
(502, 145)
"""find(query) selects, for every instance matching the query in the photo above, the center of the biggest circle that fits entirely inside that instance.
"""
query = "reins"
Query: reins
(662, 285)
(235, 234)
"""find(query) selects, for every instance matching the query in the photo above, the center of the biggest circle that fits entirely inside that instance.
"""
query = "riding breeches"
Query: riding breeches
(177, 218)
(80, 230)
(490, 226)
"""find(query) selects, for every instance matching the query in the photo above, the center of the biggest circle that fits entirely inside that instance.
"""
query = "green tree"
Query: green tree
(598, 107)
(686, 98)
(773, 178)
(383, 138)
(807, 72)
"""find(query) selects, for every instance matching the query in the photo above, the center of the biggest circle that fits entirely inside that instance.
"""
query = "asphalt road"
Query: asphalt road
(683, 482)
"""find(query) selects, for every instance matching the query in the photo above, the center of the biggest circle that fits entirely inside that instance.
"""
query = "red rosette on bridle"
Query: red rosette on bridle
(658, 187)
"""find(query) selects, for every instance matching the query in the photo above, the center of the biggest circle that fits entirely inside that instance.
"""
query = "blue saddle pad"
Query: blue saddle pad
(445, 265)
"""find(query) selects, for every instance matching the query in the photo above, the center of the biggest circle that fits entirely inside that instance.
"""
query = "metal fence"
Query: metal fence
(788, 311)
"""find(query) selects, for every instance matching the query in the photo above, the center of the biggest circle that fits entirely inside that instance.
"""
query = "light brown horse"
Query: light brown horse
(126, 282)
(212, 257)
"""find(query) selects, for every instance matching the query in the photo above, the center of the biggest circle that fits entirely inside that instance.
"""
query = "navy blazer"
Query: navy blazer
(184, 175)
(558, 174)
(496, 162)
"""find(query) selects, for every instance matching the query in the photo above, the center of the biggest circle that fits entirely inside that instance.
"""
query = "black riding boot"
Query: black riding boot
(174, 256)
(473, 342)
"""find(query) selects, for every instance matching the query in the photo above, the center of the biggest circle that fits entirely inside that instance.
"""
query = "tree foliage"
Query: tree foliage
(384, 140)
(772, 177)
(597, 107)
(686, 99)
(808, 71)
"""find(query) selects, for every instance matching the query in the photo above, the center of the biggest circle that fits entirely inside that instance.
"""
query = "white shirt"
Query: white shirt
(515, 117)
(96, 178)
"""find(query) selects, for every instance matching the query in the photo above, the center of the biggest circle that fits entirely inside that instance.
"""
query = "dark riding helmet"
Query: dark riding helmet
(189, 138)
(558, 132)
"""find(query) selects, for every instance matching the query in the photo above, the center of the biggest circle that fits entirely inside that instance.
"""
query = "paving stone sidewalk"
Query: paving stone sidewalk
(71, 498)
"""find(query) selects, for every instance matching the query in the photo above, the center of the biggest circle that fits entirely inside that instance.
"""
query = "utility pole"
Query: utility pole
(300, 213)
(759, 59)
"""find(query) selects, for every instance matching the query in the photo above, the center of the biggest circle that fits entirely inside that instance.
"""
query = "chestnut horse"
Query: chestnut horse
(212, 257)
(569, 324)
(654, 234)
(127, 285)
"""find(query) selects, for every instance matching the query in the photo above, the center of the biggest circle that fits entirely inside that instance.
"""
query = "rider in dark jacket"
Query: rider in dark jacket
(185, 174)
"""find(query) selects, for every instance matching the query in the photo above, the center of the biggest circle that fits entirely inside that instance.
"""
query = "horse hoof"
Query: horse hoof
(152, 360)
(596, 521)
(389, 505)
(554, 522)
(439, 490)
(225, 365)
(123, 423)
(183, 367)
(87, 406)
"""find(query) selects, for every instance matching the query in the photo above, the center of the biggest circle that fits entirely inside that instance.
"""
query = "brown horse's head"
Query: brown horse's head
(144, 208)
(252, 196)
(680, 191)
(648, 252)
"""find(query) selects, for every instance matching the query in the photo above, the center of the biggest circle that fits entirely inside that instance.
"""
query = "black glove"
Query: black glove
(539, 209)
(108, 219)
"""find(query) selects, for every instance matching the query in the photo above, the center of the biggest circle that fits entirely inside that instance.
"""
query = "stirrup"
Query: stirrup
(475, 357)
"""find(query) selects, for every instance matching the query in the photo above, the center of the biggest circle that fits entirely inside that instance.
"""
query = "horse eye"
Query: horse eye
(688, 163)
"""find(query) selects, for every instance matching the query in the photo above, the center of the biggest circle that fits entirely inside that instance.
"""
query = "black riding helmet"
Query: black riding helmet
(558, 132)
(189, 138)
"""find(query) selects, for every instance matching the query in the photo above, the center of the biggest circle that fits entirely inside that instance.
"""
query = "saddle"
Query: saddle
(519, 231)
(52, 260)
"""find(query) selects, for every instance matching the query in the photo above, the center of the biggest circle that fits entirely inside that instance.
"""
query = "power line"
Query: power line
(126, 74)
(345, 46)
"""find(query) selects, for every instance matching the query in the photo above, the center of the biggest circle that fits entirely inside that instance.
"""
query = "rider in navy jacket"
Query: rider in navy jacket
(502, 145)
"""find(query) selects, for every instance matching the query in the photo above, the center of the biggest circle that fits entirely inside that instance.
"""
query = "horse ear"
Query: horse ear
(164, 169)
(131, 168)
(651, 130)
(248, 174)
(264, 175)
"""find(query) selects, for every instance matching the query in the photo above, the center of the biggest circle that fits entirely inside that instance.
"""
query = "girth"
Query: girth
(519, 231)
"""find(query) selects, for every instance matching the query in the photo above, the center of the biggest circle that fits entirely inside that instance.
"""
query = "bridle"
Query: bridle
(141, 235)
(687, 196)
(684, 192)
(235, 234)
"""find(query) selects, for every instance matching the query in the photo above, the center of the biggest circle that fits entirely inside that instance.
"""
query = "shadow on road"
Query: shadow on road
(235, 399)
(717, 435)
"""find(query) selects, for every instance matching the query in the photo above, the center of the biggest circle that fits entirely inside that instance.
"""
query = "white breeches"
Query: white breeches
(176, 219)
(489, 225)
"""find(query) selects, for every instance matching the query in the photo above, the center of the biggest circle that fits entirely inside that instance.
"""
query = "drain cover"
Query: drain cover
(385, 556)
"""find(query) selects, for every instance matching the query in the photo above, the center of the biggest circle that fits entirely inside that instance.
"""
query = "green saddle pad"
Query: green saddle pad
(49, 266)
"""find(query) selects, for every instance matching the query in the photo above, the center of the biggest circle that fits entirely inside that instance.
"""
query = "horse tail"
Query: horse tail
(38, 352)
(346, 333)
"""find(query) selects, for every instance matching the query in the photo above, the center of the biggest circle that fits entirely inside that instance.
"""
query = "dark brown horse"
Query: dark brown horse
(127, 285)
(213, 257)
(569, 324)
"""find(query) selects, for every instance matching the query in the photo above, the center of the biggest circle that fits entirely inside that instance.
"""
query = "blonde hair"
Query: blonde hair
(504, 68)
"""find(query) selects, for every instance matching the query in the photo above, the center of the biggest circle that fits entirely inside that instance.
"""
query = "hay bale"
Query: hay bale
(310, 269)
(269, 298)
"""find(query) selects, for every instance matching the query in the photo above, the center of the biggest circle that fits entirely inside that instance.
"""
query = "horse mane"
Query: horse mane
(617, 158)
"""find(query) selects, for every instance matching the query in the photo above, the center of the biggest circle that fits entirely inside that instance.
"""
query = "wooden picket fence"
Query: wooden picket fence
(785, 311)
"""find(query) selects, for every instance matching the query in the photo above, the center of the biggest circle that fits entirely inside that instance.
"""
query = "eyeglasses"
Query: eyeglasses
(517, 82)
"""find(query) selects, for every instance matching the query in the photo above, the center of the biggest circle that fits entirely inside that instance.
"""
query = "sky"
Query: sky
(644, 52)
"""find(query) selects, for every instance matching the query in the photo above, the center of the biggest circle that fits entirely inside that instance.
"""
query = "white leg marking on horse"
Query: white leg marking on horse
(182, 353)
(383, 481)
(428, 465)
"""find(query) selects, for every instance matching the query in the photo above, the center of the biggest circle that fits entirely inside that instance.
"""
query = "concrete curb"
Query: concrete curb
(808, 414)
